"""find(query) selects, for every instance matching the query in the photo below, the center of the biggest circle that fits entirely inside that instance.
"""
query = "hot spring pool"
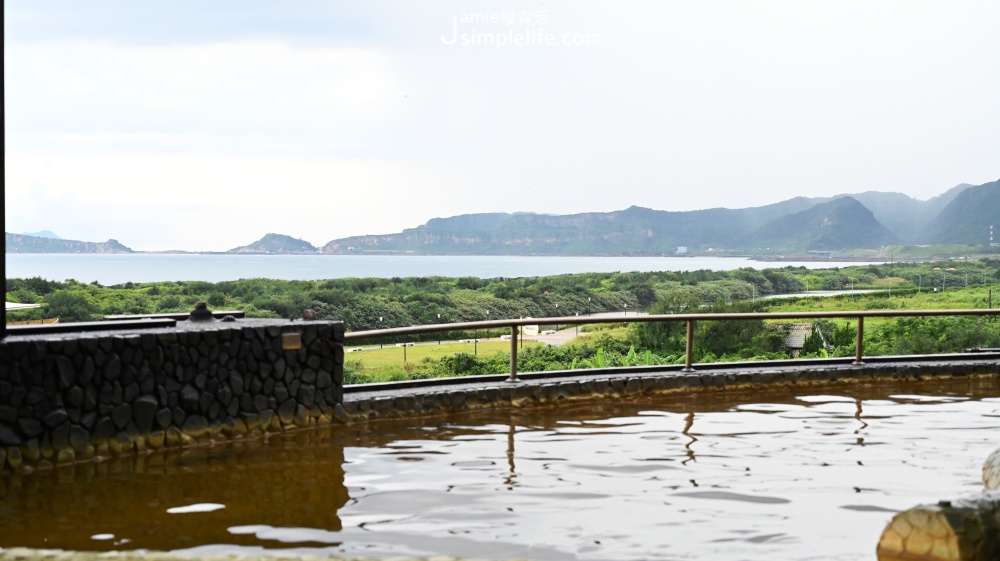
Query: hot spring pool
(790, 475)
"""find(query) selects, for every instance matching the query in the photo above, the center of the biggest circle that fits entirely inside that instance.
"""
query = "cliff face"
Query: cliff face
(869, 220)
(20, 243)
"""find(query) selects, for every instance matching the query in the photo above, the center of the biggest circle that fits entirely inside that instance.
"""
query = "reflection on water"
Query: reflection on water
(768, 475)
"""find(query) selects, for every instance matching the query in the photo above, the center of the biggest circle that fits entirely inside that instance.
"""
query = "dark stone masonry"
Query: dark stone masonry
(82, 396)
(77, 396)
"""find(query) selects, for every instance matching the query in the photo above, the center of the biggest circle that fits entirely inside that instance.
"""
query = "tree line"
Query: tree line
(373, 303)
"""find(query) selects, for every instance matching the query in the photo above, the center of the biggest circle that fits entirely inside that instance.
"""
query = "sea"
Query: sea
(115, 269)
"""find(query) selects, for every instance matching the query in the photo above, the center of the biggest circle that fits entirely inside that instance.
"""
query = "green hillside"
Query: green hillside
(839, 224)
(967, 219)
(20, 243)
(276, 243)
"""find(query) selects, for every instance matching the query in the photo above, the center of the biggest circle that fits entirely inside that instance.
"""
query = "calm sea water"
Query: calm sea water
(789, 474)
(115, 269)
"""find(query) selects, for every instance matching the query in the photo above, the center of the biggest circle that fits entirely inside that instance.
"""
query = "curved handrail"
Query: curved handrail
(689, 319)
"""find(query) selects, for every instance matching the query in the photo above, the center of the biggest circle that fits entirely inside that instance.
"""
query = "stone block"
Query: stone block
(60, 437)
(79, 438)
(14, 458)
(74, 397)
(144, 411)
(323, 379)
(959, 530)
(632, 386)
(552, 393)
(31, 451)
(340, 414)
(29, 428)
(174, 437)
(991, 471)
(383, 405)
(301, 418)
(65, 455)
(157, 439)
(429, 402)
(205, 400)
(286, 411)
(67, 374)
(195, 425)
(121, 415)
(9, 437)
(406, 404)
(601, 386)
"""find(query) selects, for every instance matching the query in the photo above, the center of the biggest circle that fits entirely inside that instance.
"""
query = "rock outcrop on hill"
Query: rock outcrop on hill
(20, 243)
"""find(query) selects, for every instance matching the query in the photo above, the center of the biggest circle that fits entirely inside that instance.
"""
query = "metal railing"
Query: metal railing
(690, 319)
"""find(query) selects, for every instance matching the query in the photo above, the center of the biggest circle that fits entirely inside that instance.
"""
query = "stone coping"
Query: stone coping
(415, 401)
(127, 329)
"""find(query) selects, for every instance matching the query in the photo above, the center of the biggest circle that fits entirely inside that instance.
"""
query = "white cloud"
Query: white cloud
(218, 202)
(364, 116)
(262, 85)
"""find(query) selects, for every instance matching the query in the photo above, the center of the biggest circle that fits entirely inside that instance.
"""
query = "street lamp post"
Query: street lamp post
(920, 282)
(626, 311)
(557, 315)
(439, 333)
(380, 327)
(487, 327)
(578, 325)
(588, 305)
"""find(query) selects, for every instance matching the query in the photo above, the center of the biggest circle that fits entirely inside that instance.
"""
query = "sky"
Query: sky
(202, 126)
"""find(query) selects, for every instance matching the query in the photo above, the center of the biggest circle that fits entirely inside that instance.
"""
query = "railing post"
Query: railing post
(859, 343)
(689, 347)
(513, 353)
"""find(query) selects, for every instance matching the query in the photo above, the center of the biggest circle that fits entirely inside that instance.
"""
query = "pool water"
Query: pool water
(791, 474)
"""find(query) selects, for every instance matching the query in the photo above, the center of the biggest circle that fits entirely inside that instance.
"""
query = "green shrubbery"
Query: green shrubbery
(373, 303)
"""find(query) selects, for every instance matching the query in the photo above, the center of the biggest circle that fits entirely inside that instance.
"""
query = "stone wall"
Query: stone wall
(77, 396)
(390, 401)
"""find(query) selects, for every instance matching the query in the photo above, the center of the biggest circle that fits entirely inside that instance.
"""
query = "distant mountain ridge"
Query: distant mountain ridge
(21, 243)
(838, 224)
(869, 220)
(966, 217)
(44, 234)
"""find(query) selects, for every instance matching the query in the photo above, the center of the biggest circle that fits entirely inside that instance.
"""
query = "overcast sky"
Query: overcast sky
(205, 125)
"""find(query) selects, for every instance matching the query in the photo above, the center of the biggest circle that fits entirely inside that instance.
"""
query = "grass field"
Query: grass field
(373, 364)
(392, 356)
